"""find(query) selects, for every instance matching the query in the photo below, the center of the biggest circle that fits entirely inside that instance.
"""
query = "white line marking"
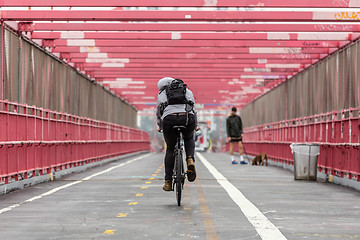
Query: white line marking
(263, 226)
(68, 185)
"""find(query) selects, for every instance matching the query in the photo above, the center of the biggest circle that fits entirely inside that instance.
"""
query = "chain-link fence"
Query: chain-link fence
(330, 85)
(34, 77)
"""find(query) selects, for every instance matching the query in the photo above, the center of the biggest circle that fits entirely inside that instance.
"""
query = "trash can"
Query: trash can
(305, 161)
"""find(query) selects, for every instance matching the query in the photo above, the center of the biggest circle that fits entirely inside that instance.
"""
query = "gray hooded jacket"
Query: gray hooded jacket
(176, 108)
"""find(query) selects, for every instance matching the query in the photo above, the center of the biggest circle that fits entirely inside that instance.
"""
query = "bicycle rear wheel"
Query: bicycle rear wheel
(179, 177)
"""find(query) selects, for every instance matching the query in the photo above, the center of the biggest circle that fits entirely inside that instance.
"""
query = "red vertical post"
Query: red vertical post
(2, 61)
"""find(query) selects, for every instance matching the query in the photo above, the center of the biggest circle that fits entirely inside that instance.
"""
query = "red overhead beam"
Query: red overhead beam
(195, 67)
(322, 39)
(266, 75)
(238, 54)
(188, 16)
(243, 75)
(239, 71)
(197, 45)
(190, 51)
(218, 75)
(239, 50)
(108, 57)
(198, 27)
(192, 65)
(183, 3)
(284, 56)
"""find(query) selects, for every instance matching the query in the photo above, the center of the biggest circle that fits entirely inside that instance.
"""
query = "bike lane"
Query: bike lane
(124, 200)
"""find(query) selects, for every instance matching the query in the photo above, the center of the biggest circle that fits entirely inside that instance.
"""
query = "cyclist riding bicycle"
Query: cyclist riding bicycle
(169, 115)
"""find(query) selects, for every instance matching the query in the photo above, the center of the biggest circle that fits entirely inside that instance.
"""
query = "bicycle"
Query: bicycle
(179, 174)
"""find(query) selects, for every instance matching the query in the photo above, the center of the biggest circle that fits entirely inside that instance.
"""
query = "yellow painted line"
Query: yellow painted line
(110, 231)
(139, 194)
(154, 175)
(187, 218)
(133, 203)
(210, 231)
(144, 187)
(152, 178)
(122, 215)
(147, 182)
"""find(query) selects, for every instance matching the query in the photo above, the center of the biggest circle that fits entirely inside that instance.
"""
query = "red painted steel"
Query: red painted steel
(184, 3)
(240, 67)
(337, 133)
(35, 139)
(79, 58)
(199, 39)
(162, 15)
(259, 56)
(254, 29)
(231, 44)
(2, 60)
(209, 45)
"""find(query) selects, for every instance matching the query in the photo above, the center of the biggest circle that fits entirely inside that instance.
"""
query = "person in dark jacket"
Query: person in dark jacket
(234, 130)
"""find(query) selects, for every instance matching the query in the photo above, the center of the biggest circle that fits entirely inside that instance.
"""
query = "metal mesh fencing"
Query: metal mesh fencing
(33, 77)
(330, 85)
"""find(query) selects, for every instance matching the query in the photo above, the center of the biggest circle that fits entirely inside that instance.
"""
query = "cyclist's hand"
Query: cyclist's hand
(197, 128)
(159, 130)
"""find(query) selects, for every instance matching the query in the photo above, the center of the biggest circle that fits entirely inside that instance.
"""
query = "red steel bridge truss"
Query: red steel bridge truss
(229, 52)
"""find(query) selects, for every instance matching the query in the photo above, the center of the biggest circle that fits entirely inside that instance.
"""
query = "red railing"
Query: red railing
(337, 133)
(37, 140)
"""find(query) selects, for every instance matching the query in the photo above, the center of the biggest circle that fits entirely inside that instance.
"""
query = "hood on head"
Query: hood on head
(163, 82)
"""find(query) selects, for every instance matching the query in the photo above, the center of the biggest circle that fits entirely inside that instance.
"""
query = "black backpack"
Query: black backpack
(176, 92)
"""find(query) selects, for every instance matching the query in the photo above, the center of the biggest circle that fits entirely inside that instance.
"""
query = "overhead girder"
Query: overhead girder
(183, 3)
(179, 52)
(202, 44)
(200, 76)
(294, 28)
(314, 39)
(285, 56)
(156, 75)
(114, 57)
(258, 75)
(195, 82)
(239, 67)
(188, 71)
(189, 16)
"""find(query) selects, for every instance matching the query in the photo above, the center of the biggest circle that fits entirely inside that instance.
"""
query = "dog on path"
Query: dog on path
(260, 159)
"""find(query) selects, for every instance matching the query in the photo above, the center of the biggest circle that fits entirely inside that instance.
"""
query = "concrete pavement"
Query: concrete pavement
(125, 200)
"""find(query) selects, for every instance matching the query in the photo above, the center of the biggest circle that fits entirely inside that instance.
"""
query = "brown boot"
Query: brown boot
(168, 185)
(191, 172)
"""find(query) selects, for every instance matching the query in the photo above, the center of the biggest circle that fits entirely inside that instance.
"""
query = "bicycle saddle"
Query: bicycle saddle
(179, 127)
